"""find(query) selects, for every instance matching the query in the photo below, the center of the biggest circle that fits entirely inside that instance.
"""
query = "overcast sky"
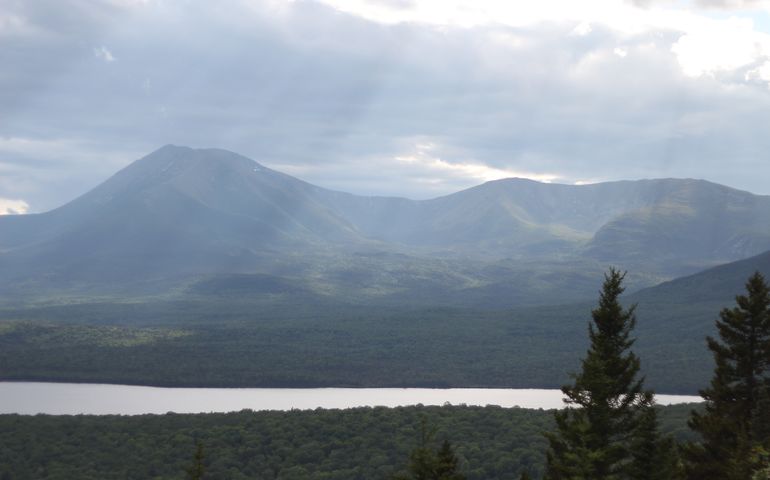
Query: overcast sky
(415, 98)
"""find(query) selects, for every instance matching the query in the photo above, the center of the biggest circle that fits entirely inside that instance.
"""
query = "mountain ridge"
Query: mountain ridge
(181, 212)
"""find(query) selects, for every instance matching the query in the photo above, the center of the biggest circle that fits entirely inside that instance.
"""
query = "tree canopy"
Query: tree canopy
(608, 409)
(735, 424)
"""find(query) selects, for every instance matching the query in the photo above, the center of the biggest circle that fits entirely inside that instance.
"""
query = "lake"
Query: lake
(31, 398)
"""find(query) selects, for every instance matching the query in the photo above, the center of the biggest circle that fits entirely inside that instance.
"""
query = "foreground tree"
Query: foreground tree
(606, 403)
(734, 424)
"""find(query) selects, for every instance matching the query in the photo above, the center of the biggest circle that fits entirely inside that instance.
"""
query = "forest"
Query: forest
(611, 428)
(362, 443)
(263, 342)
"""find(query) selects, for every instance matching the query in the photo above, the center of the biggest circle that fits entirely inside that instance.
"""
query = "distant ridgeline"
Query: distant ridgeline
(184, 221)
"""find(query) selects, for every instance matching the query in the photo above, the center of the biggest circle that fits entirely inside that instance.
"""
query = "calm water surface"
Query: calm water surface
(31, 398)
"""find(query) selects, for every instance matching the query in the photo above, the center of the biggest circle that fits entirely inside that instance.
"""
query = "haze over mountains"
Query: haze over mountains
(208, 221)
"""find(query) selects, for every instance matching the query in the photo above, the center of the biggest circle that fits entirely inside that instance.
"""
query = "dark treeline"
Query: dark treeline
(363, 443)
(245, 343)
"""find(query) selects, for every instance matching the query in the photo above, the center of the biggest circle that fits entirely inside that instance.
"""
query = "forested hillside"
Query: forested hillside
(285, 339)
(230, 342)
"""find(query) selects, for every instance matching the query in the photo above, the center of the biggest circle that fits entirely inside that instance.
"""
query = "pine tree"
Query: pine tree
(422, 460)
(447, 464)
(427, 464)
(197, 469)
(654, 457)
(605, 403)
(735, 420)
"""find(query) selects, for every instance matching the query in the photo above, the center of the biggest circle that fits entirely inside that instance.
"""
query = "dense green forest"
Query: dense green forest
(273, 342)
(362, 443)
(246, 338)
(614, 430)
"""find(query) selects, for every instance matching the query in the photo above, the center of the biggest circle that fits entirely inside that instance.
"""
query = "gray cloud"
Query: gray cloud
(731, 4)
(707, 4)
(335, 99)
(395, 3)
(649, 3)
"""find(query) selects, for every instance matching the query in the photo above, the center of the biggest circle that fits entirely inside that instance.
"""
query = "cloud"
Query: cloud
(583, 29)
(13, 207)
(48, 172)
(12, 24)
(760, 73)
(724, 46)
(706, 44)
(434, 170)
(396, 3)
(733, 4)
(419, 170)
(341, 97)
(641, 3)
(104, 54)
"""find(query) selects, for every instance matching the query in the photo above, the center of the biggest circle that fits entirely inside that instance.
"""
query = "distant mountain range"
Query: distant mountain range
(211, 222)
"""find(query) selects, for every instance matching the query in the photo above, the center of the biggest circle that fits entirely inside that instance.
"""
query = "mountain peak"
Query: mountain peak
(169, 147)
(174, 153)
(191, 171)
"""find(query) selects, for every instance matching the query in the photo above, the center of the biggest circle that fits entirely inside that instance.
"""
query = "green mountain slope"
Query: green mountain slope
(249, 330)
(181, 216)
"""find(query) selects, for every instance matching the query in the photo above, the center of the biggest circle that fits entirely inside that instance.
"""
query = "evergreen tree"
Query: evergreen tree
(735, 420)
(447, 464)
(653, 457)
(606, 402)
(427, 464)
(422, 460)
(196, 470)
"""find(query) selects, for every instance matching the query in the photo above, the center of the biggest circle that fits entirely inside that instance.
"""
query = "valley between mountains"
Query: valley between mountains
(200, 267)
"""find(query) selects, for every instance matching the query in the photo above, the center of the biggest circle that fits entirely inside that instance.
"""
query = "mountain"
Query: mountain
(173, 212)
(716, 285)
(687, 221)
(208, 221)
